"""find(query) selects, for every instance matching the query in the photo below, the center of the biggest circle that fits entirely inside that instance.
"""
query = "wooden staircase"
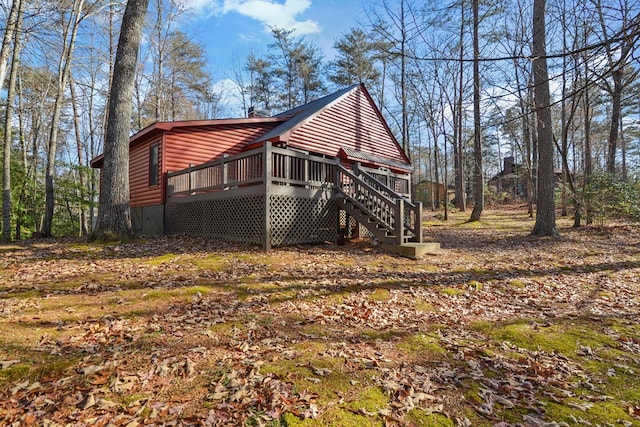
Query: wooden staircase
(389, 216)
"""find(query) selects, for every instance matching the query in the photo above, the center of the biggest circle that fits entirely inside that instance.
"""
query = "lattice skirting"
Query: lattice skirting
(294, 219)
(297, 220)
(350, 228)
(236, 219)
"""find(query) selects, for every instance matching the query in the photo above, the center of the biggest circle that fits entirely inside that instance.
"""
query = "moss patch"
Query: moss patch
(563, 338)
(423, 345)
(380, 294)
(451, 291)
(517, 283)
(474, 285)
(374, 334)
(601, 413)
(334, 417)
(371, 400)
(427, 419)
(37, 369)
(162, 259)
(211, 263)
(424, 306)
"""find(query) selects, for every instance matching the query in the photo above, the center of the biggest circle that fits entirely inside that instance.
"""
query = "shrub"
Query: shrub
(608, 196)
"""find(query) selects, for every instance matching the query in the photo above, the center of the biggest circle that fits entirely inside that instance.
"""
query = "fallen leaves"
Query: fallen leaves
(145, 333)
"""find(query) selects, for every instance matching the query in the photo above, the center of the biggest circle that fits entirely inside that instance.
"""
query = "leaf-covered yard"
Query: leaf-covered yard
(500, 329)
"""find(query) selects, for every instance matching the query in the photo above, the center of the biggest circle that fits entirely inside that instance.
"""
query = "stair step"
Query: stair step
(414, 250)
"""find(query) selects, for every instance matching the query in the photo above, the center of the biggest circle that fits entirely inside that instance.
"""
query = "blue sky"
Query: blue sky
(233, 28)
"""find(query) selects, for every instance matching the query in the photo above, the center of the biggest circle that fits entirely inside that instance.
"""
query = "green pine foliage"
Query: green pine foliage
(609, 197)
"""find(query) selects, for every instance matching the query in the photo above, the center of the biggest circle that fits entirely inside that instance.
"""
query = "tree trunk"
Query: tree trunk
(6, 170)
(588, 159)
(23, 198)
(436, 171)
(6, 40)
(563, 118)
(619, 56)
(461, 199)
(114, 217)
(545, 216)
(616, 105)
(478, 189)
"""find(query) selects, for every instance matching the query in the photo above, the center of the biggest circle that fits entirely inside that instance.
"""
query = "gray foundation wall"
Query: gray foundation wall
(148, 220)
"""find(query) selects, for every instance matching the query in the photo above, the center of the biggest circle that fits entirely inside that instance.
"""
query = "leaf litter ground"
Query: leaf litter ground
(500, 329)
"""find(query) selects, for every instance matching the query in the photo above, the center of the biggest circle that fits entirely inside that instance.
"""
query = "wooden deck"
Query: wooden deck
(298, 202)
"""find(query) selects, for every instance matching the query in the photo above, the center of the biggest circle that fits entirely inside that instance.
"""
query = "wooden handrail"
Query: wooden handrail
(385, 187)
(395, 205)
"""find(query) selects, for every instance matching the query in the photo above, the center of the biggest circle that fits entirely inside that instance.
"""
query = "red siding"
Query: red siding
(140, 192)
(353, 122)
(200, 144)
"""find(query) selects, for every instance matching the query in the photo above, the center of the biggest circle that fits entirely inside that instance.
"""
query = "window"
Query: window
(153, 165)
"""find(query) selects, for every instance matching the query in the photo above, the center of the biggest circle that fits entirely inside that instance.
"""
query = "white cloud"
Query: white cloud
(203, 8)
(271, 13)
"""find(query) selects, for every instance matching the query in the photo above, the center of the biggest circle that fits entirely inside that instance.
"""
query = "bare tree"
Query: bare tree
(82, 181)
(7, 38)
(461, 197)
(395, 29)
(15, 28)
(618, 57)
(114, 217)
(478, 189)
(64, 65)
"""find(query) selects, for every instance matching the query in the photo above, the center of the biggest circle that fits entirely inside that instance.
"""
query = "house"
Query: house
(510, 181)
(301, 176)
(428, 191)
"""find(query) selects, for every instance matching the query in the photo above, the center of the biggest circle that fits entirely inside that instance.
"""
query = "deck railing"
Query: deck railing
(367, 197)
(301, 169)
(242, 169)
(397, 182)
(246, 169)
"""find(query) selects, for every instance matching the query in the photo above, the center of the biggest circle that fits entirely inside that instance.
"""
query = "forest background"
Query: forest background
(417, 60)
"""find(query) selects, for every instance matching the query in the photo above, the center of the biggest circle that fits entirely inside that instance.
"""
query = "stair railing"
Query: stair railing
(408, 213)
(391, 209)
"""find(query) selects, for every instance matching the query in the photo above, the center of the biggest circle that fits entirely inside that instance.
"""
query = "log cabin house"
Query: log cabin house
(301, 176)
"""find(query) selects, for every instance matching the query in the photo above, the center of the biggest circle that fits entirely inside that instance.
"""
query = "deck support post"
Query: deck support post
(225, 172)
(266, 177)
(191, 177)
(418, 219)
(399, 221)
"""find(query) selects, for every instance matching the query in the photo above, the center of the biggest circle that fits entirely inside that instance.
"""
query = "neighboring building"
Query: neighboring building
(296, 177)
(511, 180)
(428, 192)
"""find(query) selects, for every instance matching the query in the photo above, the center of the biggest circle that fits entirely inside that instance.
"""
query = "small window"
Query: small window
(153, 165)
